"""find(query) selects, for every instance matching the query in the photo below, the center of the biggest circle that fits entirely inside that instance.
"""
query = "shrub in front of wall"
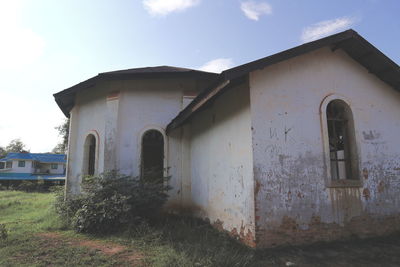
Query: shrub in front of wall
(112, 201)
(66, 208)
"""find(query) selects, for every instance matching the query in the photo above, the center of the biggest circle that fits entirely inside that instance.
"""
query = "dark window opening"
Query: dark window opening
(341, 141)
(92, 155)
(152, 162)
(89, 156)
(21, 163)
(9, 164)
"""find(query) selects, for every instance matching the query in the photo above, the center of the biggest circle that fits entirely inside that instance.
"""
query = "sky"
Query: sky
(47, 46)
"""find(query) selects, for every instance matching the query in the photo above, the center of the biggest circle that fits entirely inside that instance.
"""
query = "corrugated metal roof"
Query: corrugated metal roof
(349, 41)
(41, 157)
(66, 98)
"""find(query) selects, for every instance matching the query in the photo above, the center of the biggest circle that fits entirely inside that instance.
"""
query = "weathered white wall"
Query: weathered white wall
(146, 105)
(216, 160)
(132, 108)
(292, 196)
(87, 116)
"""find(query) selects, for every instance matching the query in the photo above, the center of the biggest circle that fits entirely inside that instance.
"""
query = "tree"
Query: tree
(3, 152)
(16, 145)
(63, 132)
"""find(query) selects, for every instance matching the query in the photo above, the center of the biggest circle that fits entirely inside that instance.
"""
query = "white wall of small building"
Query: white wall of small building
(29, 167)
(216, 159)
(146, 105)
(289, 161)
(15, 169)
(120, 122)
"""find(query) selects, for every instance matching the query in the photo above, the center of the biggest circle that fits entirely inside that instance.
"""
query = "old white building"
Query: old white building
(293, 148)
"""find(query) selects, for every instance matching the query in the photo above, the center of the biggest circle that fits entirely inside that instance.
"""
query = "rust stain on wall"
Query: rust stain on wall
(381, 187)
(219, 225)
(365, 173)
(257, 187)
(366, 193)
(246, 238)
(346, 203)
(289, 233)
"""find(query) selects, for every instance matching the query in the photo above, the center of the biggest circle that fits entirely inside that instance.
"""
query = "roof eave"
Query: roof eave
(71, 91)
(335, 41)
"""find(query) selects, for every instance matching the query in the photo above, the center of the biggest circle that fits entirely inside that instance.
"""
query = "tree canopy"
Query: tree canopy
(63, 132)
(15, 145)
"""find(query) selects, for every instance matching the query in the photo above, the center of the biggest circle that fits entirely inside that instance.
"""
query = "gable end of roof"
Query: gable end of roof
(349, 41)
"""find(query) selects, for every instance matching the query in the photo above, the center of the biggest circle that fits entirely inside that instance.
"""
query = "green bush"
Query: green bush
(111, 201)
(31, 186)
(27, 186)
(66, 208)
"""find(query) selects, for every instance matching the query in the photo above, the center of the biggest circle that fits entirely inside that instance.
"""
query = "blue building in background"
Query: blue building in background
(33, 166)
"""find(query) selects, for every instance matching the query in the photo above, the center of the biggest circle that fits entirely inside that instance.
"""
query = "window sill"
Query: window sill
(344, 183)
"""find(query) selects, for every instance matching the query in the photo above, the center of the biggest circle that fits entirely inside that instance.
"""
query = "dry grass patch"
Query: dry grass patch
(124, 254)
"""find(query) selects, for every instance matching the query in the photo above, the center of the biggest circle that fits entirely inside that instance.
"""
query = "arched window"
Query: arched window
(152, 157)
(342, 143)
(89, 156)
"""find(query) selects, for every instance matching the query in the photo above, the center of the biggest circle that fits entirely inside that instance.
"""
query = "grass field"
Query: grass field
(36, 237)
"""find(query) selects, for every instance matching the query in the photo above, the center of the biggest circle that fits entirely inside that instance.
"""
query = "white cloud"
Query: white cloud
(324, 28)
(253, 10)
(217, 65)
(164, 7)
(19, 45)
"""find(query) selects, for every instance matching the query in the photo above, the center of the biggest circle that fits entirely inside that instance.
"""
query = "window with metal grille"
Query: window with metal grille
(341, 141)
(21, 163)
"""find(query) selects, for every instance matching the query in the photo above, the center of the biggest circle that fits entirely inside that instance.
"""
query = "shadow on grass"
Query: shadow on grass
(185, 241)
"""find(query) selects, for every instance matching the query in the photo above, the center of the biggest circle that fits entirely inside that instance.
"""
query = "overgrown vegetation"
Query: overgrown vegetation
(112, 202)
(28, 185)
(24, 215)
(37, 237)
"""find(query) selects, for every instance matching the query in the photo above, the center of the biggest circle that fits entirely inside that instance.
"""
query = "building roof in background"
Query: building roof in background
(41, 157)
(349, 41)
(66, 98)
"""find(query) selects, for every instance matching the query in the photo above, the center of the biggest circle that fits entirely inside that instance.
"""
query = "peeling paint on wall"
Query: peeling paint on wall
(295, 201)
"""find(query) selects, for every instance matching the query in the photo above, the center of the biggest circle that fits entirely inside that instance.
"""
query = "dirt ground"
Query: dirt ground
(380, 251)
(124, 254)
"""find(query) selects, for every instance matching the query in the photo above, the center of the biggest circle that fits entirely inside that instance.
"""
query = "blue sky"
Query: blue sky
(48, 45)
